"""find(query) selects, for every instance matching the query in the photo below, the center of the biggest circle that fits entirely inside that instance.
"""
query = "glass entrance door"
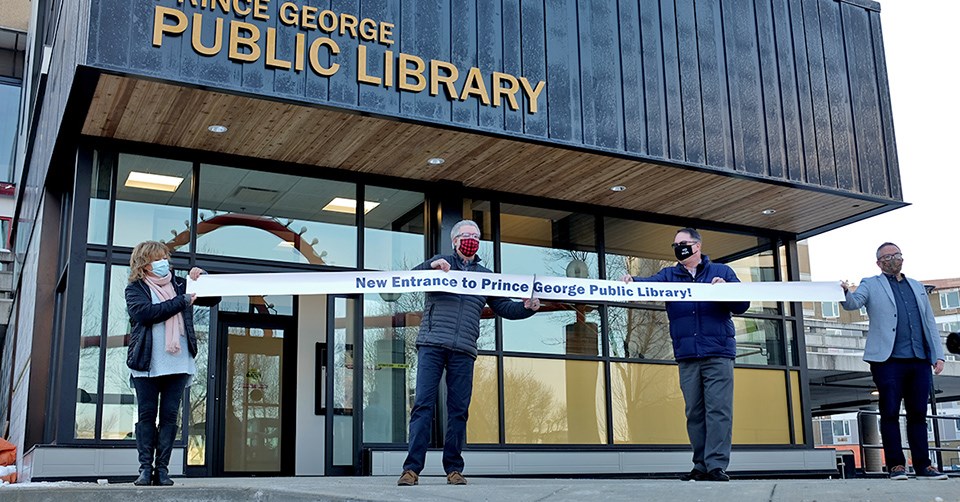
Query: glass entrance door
(258, 373)
(344, 356)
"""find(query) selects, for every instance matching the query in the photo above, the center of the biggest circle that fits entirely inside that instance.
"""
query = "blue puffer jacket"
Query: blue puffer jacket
(701, 329)
(452, 321)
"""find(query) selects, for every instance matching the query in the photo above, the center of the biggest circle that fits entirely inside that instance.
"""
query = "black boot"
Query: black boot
(146, 445)
(166, 434)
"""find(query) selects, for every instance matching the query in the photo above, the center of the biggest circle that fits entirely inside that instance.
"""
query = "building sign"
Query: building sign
(233, 31)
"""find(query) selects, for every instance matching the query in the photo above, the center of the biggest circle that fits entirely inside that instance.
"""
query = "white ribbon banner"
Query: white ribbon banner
(516, 286)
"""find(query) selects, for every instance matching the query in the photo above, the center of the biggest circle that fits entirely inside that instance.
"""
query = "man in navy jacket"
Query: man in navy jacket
(704, 346)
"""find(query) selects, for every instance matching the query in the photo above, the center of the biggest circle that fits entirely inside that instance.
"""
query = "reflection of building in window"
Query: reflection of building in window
(830, 310)
(950, 299)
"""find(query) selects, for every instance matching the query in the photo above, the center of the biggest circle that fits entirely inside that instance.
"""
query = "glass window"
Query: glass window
(91, 324)
(757, 267)
(119, 403)
(100, 199)
(484, 424)
(759, 341)
(760, 407)
(153, 201)
(793, 352)
(950, 300)
(830, 309)
(647, 404)
(390, 365)
(639, 333)
(197, 404)
(549, 401)
(393, 237)
(269, 216)
(266, 305)
(9, 115)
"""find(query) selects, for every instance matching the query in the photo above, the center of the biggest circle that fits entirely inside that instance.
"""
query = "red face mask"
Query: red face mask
(468, 247)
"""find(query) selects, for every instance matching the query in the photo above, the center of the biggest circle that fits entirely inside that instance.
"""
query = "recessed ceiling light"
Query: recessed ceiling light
(349, 206)
(436, 161)
(217, 128)
(618, 188)
(768, 211)
(153, 181)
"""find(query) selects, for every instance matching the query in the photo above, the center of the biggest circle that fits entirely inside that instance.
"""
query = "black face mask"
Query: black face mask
(683, 252)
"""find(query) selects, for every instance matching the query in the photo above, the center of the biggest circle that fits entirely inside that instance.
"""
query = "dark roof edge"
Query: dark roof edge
(866, 4)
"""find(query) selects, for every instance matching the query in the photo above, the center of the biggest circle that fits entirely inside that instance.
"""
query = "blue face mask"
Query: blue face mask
(161, 268)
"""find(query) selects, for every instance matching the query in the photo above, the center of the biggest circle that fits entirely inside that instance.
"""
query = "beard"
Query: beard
(892, 267)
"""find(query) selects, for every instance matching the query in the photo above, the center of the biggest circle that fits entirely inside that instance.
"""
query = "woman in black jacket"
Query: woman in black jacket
(161, 353)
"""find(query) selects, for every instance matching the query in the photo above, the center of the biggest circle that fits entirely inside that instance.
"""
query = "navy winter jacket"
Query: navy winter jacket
(701, 329)
(452, 321)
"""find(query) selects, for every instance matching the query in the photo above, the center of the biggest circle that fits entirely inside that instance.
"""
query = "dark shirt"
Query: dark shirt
(909, 342)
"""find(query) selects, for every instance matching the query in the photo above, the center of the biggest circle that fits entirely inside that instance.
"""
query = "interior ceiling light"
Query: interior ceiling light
(768, 211)
(436, 161)
(217, 128)
(153, 181)
(618, 188)
(349, 206)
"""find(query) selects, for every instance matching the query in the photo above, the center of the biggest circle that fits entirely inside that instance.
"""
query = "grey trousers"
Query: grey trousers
(707, 386)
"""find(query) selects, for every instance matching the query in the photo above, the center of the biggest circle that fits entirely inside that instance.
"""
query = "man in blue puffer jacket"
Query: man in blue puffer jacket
(448, 340)
(704, 346)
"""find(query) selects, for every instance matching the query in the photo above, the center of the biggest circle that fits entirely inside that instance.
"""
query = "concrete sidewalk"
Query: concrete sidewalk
(490, 489)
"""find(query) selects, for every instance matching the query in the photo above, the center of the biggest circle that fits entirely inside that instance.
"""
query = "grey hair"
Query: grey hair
(885, 244)
(692, 233)
(460, 224)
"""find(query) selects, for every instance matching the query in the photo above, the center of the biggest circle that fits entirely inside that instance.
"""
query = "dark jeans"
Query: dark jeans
(906, 380)
(164, 394)
(431, 361)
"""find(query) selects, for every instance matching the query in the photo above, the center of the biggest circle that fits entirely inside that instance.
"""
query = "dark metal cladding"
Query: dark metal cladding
(783, 89)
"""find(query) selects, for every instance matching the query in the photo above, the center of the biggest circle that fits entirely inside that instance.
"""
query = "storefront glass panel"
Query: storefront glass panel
(647, 403)
(758, 268)
(759, 341)
(393, 237)
(484, 424)
(389, 370)
(88, 371)
(197, 404)
(760, 414)
(153, 201)
(270, 216)
(119, 405)
(550, 401)
(639, 333)
(99, 221)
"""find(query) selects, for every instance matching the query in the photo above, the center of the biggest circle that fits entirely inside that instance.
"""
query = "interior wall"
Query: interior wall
(311, 328)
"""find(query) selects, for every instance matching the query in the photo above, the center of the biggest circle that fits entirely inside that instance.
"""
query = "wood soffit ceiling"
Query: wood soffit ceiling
(154, 112)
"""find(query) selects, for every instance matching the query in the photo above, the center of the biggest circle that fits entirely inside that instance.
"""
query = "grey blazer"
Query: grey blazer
(876, 294)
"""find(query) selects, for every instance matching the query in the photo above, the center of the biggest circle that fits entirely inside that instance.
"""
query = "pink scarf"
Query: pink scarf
(173, 327)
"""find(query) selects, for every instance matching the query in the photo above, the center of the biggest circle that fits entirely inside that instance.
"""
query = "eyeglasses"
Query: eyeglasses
(675, 245)
(469, 236)
(889, 257)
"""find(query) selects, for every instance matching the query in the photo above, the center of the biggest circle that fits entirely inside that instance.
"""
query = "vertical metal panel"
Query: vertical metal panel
(690, 95)
(287, 83)
(886, 113)
(208, 69)
(463, 54)
(344, 87)
(671, 78)
(810, 167)
(746, 97)
(838, 92)
(515, 40)
(319, 87)
(378, 97)
(255, 76)
(713, 84)
(492, 36)
(600, 74)
(563, 70)
(533, 66)
(143, 56)
(770, 88)
(789, 95)
(818, 91)
(861, 68)
(653, 86)
(631, 68)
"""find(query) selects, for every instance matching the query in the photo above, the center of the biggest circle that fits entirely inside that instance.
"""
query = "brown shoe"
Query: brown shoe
(408, 478)
(455, 478)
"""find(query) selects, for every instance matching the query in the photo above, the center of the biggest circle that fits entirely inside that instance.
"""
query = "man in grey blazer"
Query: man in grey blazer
(903, 342)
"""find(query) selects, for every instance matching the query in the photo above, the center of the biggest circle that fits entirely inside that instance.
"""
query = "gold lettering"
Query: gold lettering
(224, 6)
(474, 86)
(532, 94)
(362, 76)
(241, 12)
(406, 72)
(315, 56)
(348, 22)
(159, 27)
(217, 36)
(510, 92)
(260, 9)
(308, 17)
(449, 80)
(286, 17)
(368, 30)
(386, 31)
(236, 41)
(388, 69)
(272, 59)
(331, 21)
(301, 49)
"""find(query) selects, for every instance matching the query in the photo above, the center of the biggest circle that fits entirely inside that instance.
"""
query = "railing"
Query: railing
(937, 447)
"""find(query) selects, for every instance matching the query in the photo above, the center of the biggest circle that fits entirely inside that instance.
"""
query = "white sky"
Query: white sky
(922, 43)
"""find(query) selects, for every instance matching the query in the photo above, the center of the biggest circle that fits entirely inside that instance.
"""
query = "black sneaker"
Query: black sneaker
(694, 475)
(898, 473)
(717, 475)
(930, 472)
